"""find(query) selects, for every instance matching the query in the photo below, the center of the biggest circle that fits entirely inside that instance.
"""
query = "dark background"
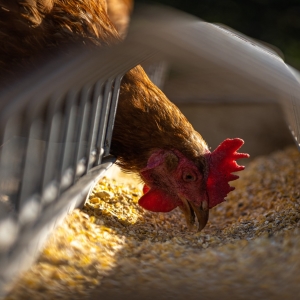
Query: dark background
(273, 21)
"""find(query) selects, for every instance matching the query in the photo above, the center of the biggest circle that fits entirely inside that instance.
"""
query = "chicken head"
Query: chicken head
(172, 180)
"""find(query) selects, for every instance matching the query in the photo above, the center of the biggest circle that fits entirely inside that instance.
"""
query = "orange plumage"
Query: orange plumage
(151, 136)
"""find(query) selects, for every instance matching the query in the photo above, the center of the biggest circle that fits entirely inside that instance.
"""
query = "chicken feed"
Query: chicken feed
(113, 249)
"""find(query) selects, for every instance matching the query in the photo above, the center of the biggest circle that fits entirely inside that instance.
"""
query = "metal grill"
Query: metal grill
(54, 145)
(48, 145)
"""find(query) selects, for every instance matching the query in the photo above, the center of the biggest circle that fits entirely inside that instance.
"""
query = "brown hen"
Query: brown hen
(151, 136)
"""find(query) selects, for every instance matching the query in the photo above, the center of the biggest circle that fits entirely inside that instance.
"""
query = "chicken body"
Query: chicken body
(146, 121)
(151, 136)
(30, 29)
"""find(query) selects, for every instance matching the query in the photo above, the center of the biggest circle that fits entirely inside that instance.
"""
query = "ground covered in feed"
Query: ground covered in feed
(113, 249)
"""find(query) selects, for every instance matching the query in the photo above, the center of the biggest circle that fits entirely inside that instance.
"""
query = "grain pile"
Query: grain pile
(113, 249)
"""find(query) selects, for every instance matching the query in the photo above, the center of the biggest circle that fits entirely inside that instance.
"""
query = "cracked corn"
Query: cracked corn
(113, 249)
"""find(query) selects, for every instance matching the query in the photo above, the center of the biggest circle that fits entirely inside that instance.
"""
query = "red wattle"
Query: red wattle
(157, 201)
(146, 189)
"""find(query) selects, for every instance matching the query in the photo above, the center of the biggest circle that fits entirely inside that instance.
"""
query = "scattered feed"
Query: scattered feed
(113, 249)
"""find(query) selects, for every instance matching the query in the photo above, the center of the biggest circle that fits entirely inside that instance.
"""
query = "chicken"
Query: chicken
(151, 136)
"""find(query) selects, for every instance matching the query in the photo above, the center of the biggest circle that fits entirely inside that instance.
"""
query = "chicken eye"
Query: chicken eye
(188, 177)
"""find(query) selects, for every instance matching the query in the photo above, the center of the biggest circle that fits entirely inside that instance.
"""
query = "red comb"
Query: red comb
(221, 164)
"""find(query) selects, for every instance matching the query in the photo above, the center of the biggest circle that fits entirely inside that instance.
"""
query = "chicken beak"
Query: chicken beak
(202, 213)
(190, 210)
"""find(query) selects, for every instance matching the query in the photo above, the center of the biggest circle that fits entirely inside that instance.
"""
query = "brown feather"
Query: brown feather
(27, 32)
(119, 13)
(146, 120)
